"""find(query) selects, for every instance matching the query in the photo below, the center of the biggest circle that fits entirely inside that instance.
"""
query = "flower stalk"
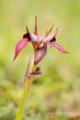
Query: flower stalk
(40, 46)
(26, 88)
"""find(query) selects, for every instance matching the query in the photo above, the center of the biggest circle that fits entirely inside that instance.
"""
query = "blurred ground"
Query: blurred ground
(56, 94)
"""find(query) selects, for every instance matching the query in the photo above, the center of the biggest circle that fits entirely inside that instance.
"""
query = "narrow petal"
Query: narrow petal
(27, 30)
(39, 54)
(59, 47)
(36, 27)
(50, 37)
(47, 32)
(21, 44)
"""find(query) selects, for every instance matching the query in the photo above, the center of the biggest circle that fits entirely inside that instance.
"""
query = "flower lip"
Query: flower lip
(40, 53)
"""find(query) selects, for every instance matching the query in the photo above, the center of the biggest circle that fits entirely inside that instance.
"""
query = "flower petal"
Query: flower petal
(34, 38)
(36, 27)
(21, 44)
(59, 47)
(47, 39)
(39, 54)
(47, 32)
(50, 37)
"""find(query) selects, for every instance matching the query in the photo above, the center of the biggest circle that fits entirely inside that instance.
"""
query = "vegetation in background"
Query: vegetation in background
(56, 94)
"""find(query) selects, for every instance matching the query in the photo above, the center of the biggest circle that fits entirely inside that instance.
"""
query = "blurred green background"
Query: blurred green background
(56, 94)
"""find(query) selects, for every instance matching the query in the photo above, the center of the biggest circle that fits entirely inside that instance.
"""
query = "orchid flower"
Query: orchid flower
(40, 46)
(40, 43)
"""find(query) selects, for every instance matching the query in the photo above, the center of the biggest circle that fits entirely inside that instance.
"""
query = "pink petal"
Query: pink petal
(50, 37)
(21, 44)
(59, 47)
(39, 54)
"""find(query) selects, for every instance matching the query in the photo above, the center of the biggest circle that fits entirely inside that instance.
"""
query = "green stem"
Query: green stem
(19, 114)
(27, 85)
